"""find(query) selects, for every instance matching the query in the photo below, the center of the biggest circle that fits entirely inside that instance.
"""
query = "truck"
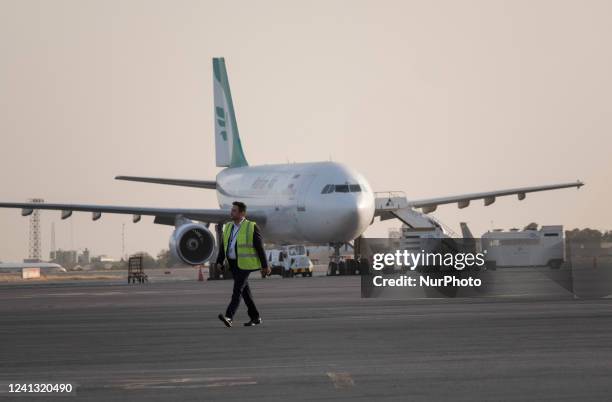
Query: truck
(529, 247)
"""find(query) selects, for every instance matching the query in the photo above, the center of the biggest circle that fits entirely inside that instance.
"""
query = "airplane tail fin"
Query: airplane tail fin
(227, 140)
(465, 231)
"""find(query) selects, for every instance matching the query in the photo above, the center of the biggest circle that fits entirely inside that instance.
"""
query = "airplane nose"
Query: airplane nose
(356, 216)
(341, 218)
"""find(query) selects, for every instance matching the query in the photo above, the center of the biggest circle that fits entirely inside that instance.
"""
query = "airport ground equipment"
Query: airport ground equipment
(219, 271)
(529, 247)
(299, 265)
(394, 205)
(345, 266)
(289, 261)
(276, 261)
(214, 271)
(136, 270)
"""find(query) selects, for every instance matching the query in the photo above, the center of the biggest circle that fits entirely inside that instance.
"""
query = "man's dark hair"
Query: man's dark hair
(241, 205)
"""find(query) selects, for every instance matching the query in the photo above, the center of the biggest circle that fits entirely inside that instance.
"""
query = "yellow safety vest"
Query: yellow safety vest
(246, 253)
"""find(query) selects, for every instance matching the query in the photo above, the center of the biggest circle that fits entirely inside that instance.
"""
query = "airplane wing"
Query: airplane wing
(210, 184)
(430, 205)
(165, 216)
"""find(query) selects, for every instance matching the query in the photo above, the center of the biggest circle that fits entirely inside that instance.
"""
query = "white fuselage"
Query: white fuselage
(296, 207)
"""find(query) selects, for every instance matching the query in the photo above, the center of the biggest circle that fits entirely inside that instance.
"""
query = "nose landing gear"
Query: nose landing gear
(343, 264)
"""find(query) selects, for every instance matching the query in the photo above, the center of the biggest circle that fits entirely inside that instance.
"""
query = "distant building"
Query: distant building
(66, 258)
(395, 233)
(84, 258)
(103, 261)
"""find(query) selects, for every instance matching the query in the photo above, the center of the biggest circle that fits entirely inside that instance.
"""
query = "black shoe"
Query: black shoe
(226, 320)
(253, 322)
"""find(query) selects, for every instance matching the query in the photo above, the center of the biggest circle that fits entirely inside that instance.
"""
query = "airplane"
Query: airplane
(318, 202)
(18, 266)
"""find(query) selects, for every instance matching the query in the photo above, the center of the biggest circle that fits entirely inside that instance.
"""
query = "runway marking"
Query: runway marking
(107, 293)
(69, 294)
(341, 380)
(184, 382)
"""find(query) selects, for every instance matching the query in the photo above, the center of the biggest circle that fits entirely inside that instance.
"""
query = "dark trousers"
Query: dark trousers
(241, 288)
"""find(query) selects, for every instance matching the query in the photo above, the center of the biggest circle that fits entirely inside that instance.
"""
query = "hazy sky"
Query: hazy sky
(430, 97)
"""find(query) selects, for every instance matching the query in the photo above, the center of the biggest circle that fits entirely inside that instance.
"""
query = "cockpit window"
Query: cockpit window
(342, 188)
(328, 189)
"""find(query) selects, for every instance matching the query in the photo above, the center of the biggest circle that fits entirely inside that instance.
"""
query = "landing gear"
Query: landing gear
(342, 265)
(332, 268)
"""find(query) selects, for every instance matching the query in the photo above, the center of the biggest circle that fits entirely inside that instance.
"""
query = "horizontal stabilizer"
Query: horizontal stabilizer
(210, 184)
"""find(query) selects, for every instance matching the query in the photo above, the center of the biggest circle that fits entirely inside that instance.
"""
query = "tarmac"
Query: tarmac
(319, 340)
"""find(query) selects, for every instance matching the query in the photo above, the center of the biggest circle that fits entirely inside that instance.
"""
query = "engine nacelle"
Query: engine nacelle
(192, 243)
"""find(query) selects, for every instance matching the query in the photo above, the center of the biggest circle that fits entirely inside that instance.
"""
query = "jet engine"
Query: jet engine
(192, 243)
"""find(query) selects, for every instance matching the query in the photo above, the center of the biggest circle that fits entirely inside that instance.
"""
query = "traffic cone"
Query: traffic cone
(200, 276)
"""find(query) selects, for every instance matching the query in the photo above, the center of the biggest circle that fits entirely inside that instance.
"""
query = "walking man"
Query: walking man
(243, 248)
